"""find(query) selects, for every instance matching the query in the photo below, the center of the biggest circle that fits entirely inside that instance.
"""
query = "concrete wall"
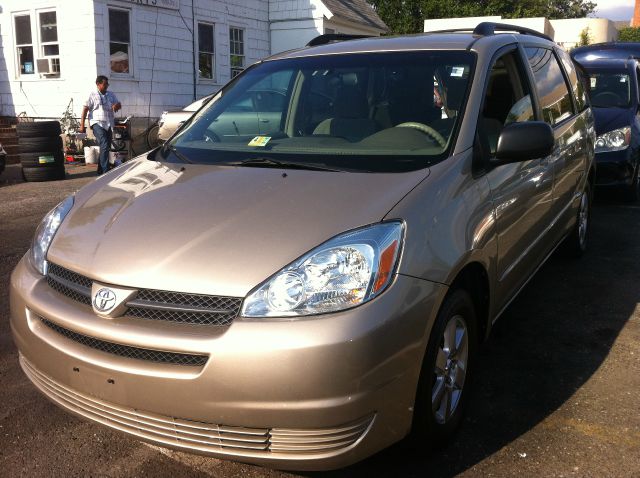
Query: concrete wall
(564, 32)
(453, 23)
(568, 31)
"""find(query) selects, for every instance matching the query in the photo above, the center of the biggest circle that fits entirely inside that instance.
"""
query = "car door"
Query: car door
(522, 192)
(558, 110)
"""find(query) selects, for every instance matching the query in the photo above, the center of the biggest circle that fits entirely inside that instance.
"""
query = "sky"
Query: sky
(614, 9)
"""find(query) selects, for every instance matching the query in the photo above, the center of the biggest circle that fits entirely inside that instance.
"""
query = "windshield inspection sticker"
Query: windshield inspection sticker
(260, 141)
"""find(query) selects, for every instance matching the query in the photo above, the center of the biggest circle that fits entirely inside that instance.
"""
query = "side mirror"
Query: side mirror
(524, 141)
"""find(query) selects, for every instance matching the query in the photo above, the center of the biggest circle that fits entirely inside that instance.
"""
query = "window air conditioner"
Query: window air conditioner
(48, 66)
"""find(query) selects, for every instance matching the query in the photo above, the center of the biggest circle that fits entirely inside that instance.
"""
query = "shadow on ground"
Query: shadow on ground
(546, 346)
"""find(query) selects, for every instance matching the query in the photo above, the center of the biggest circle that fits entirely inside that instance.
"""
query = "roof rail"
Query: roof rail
(490, 28)
(332, 37)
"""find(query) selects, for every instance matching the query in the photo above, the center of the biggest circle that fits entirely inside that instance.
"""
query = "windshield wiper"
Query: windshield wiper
(275, 163)
(178, 154)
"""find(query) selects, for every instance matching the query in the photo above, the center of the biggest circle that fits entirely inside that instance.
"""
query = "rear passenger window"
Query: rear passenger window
(552, 89)
(576, 84)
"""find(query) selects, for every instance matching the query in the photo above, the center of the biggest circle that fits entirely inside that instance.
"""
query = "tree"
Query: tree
(585, 37)
(408, 16)
(629, 34)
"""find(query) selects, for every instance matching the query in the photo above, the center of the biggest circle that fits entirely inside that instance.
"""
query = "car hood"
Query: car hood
(217, 230)
(608, 119)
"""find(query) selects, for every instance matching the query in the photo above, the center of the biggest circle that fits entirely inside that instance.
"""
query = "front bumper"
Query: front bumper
(616, 168)
(308, 394)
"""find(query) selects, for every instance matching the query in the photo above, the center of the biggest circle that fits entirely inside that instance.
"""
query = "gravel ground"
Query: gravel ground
(556, 392)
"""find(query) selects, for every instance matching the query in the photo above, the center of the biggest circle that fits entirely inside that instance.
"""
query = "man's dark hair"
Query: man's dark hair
(100, 79)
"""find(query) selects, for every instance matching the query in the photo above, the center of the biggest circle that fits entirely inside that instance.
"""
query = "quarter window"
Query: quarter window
(236, 50)
(577, 83)
(552, 88)
(24, 44)
(206, 63)
(119, 41)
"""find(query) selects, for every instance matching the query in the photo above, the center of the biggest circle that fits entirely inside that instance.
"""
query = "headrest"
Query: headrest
(351, 102)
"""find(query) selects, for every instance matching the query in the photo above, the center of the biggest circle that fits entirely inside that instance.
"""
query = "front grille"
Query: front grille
(127, 351)
(199, 436)
(152, 304)
(75, 286)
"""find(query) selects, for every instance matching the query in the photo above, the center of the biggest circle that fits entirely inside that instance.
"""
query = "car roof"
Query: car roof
(609, 64)
(446, 40)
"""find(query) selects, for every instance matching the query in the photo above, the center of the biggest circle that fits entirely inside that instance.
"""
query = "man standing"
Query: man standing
(101, 105)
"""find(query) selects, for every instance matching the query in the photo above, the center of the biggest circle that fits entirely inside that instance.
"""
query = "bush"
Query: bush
(629, 34)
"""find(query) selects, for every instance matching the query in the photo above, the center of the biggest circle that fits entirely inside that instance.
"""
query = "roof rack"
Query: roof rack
(490, 28)
(333, 37)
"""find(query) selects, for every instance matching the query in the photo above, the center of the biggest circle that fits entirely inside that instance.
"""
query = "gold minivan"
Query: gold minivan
(302, 274)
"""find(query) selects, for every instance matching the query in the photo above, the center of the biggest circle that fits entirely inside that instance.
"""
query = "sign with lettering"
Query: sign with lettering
(171, 4)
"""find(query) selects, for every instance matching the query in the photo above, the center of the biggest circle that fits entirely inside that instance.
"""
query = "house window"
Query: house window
(206, 64)
(236, 50)
(49, 61)
(24, 44)
(119, 41)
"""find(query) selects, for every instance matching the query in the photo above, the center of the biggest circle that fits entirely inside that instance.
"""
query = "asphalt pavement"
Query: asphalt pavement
(557, 386)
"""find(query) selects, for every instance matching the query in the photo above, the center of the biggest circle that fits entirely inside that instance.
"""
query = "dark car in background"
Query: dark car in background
(609, 50)
(613, 86)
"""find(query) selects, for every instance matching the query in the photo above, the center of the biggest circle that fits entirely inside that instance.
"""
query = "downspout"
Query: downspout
(193, 38)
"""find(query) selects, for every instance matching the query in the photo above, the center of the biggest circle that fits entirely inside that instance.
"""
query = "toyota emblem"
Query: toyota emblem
(104, 300)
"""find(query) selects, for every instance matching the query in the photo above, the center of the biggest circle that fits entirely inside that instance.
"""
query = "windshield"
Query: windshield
(610, 89)
(367, 112)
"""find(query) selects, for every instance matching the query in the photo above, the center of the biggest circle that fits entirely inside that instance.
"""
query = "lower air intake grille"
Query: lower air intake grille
(128, 351)
(207, 438)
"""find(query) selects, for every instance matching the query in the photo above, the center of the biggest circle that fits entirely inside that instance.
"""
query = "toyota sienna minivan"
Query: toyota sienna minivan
(313, 259)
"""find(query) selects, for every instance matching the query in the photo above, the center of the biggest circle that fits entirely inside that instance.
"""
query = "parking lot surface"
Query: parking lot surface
(556, 388)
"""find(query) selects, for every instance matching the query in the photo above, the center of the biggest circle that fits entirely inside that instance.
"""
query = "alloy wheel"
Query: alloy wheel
(450, 369)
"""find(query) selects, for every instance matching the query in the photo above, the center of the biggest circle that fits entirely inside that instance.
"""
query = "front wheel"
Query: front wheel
(446, 372)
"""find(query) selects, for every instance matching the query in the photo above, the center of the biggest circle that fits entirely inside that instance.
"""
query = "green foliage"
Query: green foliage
(585, 37)
(629, 34)
(408, 16)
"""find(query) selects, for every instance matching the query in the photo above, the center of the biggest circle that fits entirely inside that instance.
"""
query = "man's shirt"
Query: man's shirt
(100, 108)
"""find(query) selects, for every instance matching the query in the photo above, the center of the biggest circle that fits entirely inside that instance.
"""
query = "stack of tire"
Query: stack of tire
(41, 151)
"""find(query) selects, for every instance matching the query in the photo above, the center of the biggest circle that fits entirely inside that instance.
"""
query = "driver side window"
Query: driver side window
(507, 100)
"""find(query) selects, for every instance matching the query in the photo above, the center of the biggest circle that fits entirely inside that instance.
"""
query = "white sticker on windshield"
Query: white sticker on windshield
(623, 79)
(593, 82)
(457, 71)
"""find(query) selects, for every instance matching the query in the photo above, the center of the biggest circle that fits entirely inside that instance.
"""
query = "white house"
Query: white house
(157, 54)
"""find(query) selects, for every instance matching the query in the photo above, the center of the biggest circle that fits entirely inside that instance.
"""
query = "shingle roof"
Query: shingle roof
(356, 11)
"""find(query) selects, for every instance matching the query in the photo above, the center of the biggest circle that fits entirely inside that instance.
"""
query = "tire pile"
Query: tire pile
(41, 150)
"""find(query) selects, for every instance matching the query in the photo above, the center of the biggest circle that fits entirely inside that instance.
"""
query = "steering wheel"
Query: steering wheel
(210, 137)
(428, 130)
(607, 97)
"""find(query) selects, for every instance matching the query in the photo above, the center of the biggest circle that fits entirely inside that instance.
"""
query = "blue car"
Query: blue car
(613, 90)
(606, 51)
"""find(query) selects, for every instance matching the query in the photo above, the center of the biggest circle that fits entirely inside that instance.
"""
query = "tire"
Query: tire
(38, 129)
(43, 143)
(42, 159)
(577, 242)
(43, 174)
(446, 375)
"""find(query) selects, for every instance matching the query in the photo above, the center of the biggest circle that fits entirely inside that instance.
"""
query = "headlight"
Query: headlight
(344, 272)
(45, 232)
(614, 140)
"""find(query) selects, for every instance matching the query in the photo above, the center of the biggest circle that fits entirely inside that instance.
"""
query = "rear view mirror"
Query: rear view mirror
(524, 141)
